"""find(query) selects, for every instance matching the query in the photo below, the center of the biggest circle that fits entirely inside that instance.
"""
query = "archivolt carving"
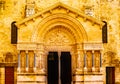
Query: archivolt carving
(59, 19)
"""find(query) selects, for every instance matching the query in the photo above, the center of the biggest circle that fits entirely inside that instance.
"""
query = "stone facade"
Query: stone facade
(60, 25)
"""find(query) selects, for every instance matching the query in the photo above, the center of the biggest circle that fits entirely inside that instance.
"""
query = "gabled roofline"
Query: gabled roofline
(59, 4)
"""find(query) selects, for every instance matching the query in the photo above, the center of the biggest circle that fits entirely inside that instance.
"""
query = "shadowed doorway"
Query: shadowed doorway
(9, 75)
(110, 75)
(66, 68)
(59, 68)
(52, 63)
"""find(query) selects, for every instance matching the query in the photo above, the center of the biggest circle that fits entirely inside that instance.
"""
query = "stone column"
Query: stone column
(93, 67)
(41, 59)
(27, 62)
(78, 60)
(34, 61)
(85, 61)
(100, 60)
(37, 61)
(19, 61)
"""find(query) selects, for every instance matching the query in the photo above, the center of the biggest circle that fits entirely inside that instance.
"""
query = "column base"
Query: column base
(93, 69)
(27, 69)
(85, 68)
(42, 71)
(18, 70)
(79, 71)
(101, 69)
(34, 69)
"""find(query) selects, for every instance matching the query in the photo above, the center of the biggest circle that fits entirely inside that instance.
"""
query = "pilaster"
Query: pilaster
(2, 78)
(40, 59)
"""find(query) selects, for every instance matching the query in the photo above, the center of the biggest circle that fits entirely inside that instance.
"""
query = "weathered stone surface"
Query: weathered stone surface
(29, 29)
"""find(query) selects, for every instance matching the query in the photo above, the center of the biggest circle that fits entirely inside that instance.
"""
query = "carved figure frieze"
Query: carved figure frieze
(57, 37)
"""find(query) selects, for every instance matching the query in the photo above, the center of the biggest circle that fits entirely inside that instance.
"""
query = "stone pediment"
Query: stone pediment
(60, 8)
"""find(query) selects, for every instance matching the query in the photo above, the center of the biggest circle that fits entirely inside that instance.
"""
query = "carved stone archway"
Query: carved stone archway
(69, 22)
(59, 32)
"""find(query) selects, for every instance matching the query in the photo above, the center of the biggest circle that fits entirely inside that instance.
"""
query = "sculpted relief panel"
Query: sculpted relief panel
(58, 36)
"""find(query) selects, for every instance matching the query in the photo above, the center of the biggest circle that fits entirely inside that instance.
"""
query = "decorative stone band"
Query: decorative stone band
(26, 46)
(93, 46)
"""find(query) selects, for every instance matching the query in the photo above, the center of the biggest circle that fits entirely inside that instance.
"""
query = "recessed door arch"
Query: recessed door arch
(73, 26)
(61, 35)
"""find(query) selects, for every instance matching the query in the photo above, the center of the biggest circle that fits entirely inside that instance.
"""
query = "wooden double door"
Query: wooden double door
(59, 68)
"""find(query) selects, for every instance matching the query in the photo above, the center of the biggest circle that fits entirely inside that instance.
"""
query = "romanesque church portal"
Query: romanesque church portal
(58, 44)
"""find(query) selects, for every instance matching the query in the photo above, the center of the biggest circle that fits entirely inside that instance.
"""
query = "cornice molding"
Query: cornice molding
(60, 6)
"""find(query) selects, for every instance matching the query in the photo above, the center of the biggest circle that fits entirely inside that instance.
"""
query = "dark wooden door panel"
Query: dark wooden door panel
(66, 68)
(9, 75)
(53, 68)
(110, 75)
